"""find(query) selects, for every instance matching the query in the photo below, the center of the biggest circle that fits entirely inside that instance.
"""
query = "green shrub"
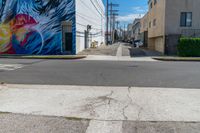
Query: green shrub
(189, 47)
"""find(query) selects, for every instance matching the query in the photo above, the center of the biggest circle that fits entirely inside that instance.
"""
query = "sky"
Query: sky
(130, 9)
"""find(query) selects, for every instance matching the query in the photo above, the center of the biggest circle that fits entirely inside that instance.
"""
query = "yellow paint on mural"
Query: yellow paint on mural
(5, 36)
(20, 33)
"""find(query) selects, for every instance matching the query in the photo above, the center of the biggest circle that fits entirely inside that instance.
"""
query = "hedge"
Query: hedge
(189, 47)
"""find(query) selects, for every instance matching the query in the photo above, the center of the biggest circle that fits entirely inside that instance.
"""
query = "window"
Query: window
(186, 19)
(151, 5)
(154, 22)
(155, 1)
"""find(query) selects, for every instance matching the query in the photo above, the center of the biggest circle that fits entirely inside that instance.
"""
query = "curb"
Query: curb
(191, 59)
(61, 57)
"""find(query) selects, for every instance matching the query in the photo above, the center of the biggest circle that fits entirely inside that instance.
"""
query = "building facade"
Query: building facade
(43, 27)
(144, 30)
(129, 32)
(170, 19)
(89, 13)
(136, 29)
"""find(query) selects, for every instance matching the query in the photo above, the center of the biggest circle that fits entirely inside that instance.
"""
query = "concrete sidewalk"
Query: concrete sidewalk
(102, 103)
(109, 109)
(118, 58)
(109, 50)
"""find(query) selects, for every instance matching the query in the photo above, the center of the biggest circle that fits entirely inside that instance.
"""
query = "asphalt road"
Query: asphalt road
(103, 73)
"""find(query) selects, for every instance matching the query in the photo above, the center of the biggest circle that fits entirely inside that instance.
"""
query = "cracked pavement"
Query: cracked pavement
(104, 109)
(99, 109)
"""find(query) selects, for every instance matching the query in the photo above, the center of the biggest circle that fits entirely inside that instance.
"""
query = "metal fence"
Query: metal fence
(190, 32)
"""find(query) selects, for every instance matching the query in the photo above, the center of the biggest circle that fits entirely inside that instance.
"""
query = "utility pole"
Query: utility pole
(114, 27)
(117, 30)
(107, 20)
(113, 14)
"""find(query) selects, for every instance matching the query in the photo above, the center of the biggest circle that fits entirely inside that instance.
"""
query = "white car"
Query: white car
(139, 44)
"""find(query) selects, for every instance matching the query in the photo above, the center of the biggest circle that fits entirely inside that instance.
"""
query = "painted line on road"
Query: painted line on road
(10, 67)
(103, 103)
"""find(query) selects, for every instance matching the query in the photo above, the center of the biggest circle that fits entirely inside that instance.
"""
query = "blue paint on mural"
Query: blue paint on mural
(34, 26)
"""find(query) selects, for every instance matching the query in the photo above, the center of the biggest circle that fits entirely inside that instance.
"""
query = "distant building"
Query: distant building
(43, 27)
(136, 29)
(170, 19)
(129, 32)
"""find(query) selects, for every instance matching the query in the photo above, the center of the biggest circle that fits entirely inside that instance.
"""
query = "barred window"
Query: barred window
(186, 19)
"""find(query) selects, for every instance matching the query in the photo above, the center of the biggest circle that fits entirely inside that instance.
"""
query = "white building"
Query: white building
(89, 12)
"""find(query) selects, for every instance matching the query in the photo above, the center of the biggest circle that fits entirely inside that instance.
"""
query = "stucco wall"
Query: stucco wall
(151, 43)
(89, 12)
(173, 11)
(159, 44)
(156, 43)
(156, 12)
(144, 23)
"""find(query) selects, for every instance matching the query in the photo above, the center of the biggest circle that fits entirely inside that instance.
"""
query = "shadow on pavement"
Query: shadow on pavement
(143, 52)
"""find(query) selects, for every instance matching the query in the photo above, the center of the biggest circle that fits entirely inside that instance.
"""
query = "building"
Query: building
(129, 32)
(144, 30)
(136, 29)
(44, 27)
(170, 19)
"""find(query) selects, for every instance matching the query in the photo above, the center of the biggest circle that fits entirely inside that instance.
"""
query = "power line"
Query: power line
(94, 18)
(113, 14)
(96, 8)
(89, 8)
(86, 26)
(102, 10)
(89, 20)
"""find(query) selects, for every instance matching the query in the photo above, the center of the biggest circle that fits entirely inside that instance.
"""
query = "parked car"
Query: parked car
(138, 43)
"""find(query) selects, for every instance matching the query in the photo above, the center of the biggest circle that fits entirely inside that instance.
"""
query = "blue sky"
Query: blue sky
(130, 9)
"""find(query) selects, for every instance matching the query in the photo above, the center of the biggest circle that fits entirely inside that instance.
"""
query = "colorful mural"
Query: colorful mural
(34, 26)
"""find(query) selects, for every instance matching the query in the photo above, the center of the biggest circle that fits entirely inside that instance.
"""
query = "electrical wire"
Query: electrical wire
(89, 8)
(96, 8)
(86, 26)
(88, 20)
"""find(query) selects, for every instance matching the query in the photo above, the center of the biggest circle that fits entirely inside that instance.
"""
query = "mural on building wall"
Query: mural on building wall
(34, 26)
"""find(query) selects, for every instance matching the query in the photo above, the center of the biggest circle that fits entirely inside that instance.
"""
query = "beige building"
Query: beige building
(144, 30)
(170, 19)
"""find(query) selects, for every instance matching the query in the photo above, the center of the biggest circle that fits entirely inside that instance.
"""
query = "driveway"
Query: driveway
(120, 49)
(109, 50)
(129, 50)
